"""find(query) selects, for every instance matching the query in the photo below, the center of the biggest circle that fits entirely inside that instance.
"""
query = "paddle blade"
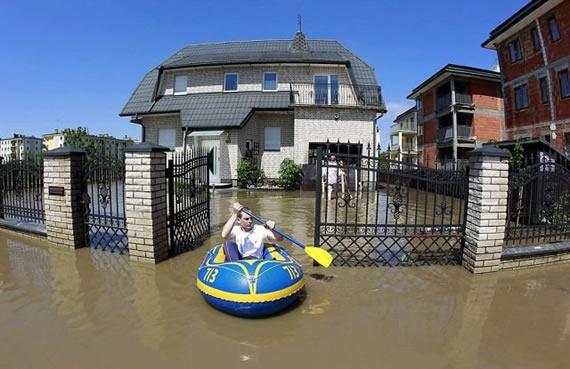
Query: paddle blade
(321, 256)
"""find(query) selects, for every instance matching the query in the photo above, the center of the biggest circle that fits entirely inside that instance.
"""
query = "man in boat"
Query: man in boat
(245, 240)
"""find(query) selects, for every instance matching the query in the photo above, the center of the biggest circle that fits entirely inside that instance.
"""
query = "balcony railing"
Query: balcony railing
(403, 127)
(335, 94)
(444, 101)
(446, 133)
(404, 148)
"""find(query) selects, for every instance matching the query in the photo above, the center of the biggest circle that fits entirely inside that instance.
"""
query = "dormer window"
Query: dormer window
(231, 81)
(269, 81)
(180, 85)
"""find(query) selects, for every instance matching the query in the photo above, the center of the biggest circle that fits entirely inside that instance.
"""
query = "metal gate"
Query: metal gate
(21, 190)
(374, 211)
(104, 199)
(188, 199)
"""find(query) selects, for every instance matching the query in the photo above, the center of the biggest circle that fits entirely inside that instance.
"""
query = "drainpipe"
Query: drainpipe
(374, 127)
(454, 126)
(548, 81)
(138, 120)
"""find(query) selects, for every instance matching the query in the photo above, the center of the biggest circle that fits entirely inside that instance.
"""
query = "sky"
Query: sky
(76, 63)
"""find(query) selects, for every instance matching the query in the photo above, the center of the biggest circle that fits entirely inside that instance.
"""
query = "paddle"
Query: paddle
(321, 256)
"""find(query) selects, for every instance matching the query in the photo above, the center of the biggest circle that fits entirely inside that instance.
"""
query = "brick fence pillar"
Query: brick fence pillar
(63, 188)
(486, 209)
(145, 202)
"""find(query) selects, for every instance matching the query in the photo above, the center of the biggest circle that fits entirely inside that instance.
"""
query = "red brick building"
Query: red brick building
(533, 47)
(459, 108)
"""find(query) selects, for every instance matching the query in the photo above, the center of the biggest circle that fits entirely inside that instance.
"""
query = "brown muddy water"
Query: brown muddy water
(86, 309)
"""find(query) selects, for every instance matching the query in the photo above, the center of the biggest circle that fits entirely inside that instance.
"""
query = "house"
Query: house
(403, 137)
(20, 147)
(268, 100)
(458, 108)
(533, 47)
(107, 142)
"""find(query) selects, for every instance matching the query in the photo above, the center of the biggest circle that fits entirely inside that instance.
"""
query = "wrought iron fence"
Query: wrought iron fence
(104, 199)
(371, 210)
(188, 199)
(335, 94)
(538, 207)
(22, 189)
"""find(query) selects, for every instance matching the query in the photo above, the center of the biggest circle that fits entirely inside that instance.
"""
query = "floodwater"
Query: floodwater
(61, 308)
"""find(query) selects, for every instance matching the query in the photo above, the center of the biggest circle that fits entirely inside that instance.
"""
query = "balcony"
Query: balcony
(443, 101)
(404, 148)
(335, 94)
(405, 127)
(445, 134)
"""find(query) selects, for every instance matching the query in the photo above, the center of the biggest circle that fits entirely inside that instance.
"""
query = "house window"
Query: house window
(521, 97)
(544, 90)
(326, 89)
(535, 39)
(419, 105)
(180, 85)
(167, 137)
(564, 84)
(272, 139)
(515, 51)
(231, 81)
(270, 81)
(554, 31)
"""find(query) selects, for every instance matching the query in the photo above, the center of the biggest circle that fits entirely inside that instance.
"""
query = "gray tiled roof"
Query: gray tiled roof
(321, 51)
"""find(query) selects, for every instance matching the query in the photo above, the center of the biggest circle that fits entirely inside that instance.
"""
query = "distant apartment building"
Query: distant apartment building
(533, 47)
(458, 109)
(20, 147)
(403, 137)
(106, 142)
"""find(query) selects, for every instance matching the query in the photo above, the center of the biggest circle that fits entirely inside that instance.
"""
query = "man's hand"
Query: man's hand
(236, 207)
(270, 224)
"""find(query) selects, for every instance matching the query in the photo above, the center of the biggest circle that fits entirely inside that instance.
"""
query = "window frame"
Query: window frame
(515, 89)
(276, 82)
(237, 81)
(565, 72)
(277, 147)
(552, 21)
(330, 100)
(174, 92)
(535, 38)
(544, 95)
(510, 47)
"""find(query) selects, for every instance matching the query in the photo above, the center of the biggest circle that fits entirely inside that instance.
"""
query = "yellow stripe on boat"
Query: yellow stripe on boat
(253, 297)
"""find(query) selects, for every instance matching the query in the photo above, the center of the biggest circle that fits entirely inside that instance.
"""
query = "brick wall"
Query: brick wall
(486, 95)
(487, 128)
(211, 79)
(318, 124)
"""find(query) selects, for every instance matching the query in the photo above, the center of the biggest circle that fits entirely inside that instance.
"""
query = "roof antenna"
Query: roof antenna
(299, 22)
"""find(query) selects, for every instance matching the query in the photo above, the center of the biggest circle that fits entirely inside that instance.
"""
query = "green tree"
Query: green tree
(79, 138)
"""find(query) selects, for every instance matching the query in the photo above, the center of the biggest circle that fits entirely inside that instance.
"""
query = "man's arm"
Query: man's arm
(271, 225)
(227, 230)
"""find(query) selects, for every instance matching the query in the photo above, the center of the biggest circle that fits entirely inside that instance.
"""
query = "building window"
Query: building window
(544, 96)
(231, 81)
(270, 81)
(326, 89)
(521, 97)
(554, 31)
(167, 137)
(272, 139)
(564, 84)
(535, 39)
(515, 51)
(180, 85)
(420, 105)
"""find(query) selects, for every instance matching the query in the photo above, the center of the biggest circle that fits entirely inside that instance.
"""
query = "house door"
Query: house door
(215, 170)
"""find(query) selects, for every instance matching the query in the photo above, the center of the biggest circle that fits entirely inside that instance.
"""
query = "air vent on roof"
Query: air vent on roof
(300, 42)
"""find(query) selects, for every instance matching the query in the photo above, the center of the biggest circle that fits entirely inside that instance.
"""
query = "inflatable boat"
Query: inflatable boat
(251, 287)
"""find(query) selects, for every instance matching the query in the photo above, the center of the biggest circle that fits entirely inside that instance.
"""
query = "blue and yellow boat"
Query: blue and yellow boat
(252, 287)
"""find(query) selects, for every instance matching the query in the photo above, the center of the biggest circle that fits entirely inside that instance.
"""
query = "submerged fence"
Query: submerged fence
(21, 190)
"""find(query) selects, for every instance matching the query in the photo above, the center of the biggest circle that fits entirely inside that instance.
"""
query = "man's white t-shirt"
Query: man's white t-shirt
(250, 244)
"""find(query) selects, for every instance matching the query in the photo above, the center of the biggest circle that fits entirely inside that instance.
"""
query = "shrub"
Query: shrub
(290, 175)
(249, 174)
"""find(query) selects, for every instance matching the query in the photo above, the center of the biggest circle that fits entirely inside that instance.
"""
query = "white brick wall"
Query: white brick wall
(250, 77)
(153, 123)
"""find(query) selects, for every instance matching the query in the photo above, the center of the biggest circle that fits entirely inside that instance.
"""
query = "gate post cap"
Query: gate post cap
(146, 147)
(490, 151)
(65, 151)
